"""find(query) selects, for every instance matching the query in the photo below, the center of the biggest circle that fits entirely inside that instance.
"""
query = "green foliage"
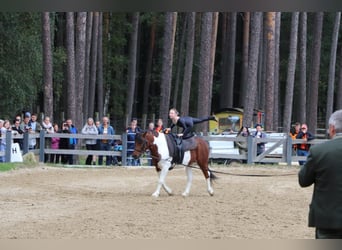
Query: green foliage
(20, 62)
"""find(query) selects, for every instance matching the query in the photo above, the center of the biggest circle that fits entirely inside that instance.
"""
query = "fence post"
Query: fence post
(41, 145)
(124, 149)
(289, 150)
(26, 142)
(249, 149)
(8, 146)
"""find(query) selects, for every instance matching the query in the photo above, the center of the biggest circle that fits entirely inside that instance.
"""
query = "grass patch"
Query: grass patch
(8, 166)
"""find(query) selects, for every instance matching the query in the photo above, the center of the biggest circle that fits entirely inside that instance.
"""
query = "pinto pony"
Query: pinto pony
(161, 153)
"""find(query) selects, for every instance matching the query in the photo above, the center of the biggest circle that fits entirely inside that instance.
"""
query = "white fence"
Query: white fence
(278, 147)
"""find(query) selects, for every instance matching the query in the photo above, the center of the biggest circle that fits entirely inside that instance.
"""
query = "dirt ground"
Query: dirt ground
(45, 202)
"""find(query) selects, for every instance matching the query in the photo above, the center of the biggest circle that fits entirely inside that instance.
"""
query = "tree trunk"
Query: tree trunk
(99, 66)
(291, 70)
(87, 66)
(148, 70)
(93, 64)
(276, 73)
(132, 67)
(212, 61)
(71, 79)
(314, 72)
(300, 104)
(180, 61)
(228, 69)
(256, 23)
(244, 69)
(47, 66)
(339, 86)
(80, 65)
(270, 65)
(168, 47)
(190, 41)
(204, 81)
(332, 65)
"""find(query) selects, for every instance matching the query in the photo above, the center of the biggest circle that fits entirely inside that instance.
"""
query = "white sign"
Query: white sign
(16, 155)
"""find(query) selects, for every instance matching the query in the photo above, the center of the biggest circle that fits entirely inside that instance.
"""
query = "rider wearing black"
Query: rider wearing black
(186, 122)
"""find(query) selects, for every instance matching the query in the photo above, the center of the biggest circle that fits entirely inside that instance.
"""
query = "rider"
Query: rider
(186, 123)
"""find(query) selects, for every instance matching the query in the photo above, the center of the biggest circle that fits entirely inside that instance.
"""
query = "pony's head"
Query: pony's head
(143, 142)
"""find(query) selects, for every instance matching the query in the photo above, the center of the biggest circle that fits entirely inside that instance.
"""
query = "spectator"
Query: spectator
(243, 133)
(160, 127)
(36, 127)
(90, 129)
(151, 126)
(6, 126)
(64, 143)
(54, 158)
(72, 141)
(148, 153)
(16, 130)
(106, 144)
(131, 132)
(259, 134)
(48, 128)
(98, 142)
(2, 141)
(323, 169)
(293, 133)
(303, 149)
(30, 125)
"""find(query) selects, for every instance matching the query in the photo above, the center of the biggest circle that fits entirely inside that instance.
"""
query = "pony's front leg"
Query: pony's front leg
(189, 181)
(161, 181)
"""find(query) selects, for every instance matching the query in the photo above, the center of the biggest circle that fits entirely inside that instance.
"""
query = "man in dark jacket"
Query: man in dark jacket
(323, 168)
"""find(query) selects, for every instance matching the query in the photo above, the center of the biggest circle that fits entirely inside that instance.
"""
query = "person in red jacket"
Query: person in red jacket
(303, 149)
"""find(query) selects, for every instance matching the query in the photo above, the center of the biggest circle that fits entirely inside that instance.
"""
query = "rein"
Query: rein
(247, 175)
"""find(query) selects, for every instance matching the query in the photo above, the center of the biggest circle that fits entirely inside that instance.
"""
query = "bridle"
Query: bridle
(144, 147)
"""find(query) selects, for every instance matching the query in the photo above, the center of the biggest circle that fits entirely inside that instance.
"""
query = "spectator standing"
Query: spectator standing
(131, 132)
(64, 143)
(16, 130)
(303, 149)
(242, 145)
(72, 141)
(48, 128)
(259, 134)
(2, 141)
(54, 158)
(36, 127)
(90, 129)
(293, 133)
(323, 169)
(148, 154)
(160, 127)
(5, 126)
(105, 144)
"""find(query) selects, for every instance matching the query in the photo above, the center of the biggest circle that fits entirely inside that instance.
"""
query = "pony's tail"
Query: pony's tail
(212, 176)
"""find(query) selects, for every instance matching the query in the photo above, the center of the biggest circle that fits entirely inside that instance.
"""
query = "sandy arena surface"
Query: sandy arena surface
(45, 202)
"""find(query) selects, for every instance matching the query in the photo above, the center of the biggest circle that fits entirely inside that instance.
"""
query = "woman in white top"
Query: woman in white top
(90, 129)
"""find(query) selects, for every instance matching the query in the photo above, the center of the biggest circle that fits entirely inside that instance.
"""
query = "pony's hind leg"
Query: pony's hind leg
(209, 187)
(208, 178)
(161, 180)
(189, 181)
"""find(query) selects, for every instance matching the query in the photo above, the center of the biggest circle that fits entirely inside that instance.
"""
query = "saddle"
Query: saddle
(177, 146)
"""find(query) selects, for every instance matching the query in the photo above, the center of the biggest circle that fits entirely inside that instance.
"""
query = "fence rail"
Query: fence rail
(226, 151)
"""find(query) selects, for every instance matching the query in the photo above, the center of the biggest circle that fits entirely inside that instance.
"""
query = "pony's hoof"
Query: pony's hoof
(211, 192)
(155, 195)
(185, 194)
